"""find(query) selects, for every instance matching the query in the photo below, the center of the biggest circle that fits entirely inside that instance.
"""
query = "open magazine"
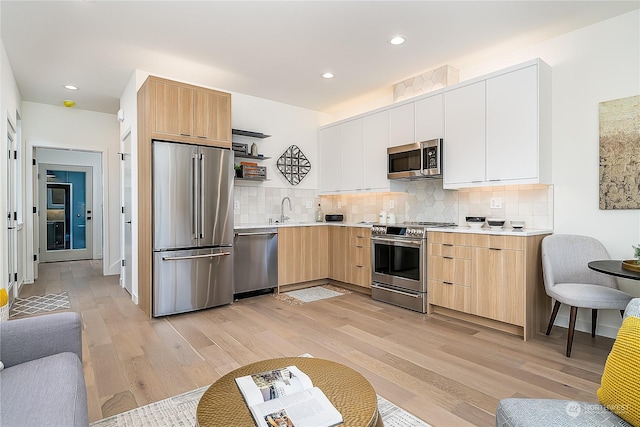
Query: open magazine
(286, 397)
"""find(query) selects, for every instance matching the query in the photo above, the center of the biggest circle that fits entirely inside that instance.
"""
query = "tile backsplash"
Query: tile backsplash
(423, 200)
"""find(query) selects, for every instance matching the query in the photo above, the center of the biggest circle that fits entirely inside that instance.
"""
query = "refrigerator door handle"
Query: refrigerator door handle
(178, 258)
(201, 198)
(194, 198)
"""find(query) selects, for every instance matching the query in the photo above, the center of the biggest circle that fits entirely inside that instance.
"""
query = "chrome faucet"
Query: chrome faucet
(283, 217)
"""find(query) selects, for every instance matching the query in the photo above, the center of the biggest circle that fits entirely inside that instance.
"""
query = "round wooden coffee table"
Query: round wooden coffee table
(352, 395)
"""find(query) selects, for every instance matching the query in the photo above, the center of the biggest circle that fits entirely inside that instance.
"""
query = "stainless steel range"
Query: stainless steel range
(399, 263)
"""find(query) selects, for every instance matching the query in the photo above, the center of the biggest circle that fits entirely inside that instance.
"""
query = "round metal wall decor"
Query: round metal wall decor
(294, 165)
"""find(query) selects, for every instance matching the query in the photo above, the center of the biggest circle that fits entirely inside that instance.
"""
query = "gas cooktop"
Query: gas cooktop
(407, 229)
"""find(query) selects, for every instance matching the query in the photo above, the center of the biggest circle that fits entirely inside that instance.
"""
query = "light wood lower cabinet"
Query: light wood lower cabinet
(302, 254)
(493, 277)
(319, 252)
(359, 256)
(338, 250)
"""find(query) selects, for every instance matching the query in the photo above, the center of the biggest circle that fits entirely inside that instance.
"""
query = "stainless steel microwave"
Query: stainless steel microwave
(414, 161)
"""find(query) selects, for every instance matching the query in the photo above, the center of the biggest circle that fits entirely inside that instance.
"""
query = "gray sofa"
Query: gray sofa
(42, 382)
(552, 412)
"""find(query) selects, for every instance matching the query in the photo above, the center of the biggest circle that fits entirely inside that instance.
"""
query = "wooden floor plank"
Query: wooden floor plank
(443, 370)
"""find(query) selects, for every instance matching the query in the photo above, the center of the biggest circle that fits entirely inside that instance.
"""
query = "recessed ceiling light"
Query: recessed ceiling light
(328, 75)
(70, 87)
(397, 40)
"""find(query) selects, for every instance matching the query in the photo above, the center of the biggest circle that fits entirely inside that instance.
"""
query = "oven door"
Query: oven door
(399, 262)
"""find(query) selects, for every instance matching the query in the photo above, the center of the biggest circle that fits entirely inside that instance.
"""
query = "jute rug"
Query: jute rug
(314, 293)
(181, 411)
(37, 304)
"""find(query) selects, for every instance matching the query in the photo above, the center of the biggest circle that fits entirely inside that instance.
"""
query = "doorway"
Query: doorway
(126, 202)
(66, 212)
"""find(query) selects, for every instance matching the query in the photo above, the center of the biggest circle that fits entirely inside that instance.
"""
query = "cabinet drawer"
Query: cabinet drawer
(361, 256)
(449, 295)
(453, 270)
(449, 250)
(463, 239)
(498, 242)
(360, 275)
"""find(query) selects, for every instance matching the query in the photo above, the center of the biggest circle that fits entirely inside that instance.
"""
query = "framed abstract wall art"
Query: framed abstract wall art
(620, 153)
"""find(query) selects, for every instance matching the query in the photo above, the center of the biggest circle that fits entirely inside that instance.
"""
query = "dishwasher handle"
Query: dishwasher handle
(260, 233)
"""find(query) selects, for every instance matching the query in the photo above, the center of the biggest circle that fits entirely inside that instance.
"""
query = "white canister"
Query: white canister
(382, 217)
(391, 218)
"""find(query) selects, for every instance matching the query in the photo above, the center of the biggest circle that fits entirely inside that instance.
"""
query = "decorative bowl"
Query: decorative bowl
(517, 223)
(475, 221)
(495, 223)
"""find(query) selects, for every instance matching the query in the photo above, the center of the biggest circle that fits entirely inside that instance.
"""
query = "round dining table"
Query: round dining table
(614, 268)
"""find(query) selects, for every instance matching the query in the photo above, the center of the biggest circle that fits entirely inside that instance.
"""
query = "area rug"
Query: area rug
(311, 294)
(37, 304)
(181, 411)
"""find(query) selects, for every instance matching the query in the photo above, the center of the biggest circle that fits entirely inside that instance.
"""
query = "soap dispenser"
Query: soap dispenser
(319, 214)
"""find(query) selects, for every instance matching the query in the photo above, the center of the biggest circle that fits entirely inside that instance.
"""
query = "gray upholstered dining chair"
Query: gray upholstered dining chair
(568, 279)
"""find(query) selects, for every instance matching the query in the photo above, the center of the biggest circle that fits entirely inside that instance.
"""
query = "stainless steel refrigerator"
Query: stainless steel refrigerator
(192, 227)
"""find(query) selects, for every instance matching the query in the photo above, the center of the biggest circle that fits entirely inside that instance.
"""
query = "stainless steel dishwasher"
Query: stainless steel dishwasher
(255, 265)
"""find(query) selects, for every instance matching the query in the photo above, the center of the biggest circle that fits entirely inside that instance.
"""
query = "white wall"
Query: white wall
(594, 64)
(74, 129)
(10, 106)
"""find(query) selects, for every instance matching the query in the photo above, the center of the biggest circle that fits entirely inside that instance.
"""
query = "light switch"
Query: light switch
(308, 204)
(495, 203)
(339, 205)
(236, 204)
(392, 204)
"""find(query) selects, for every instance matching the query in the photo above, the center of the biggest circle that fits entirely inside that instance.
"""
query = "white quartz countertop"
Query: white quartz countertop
(301, 224)
(507, 231)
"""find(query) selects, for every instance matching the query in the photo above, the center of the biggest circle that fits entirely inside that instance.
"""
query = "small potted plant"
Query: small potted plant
(238, 169)
(636, 253)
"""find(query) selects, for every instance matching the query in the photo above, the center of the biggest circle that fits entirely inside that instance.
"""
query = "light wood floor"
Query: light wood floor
(446, 372)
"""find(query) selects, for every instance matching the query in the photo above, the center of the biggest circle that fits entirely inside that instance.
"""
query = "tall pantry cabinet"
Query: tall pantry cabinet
(177, 112)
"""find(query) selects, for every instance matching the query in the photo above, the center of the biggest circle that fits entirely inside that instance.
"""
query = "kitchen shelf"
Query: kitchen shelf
(249, 156)
(251, 179)
(249, 133)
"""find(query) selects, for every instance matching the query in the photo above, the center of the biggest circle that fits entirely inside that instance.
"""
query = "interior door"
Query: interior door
(12, 220)
(125, 165)
(66, 212)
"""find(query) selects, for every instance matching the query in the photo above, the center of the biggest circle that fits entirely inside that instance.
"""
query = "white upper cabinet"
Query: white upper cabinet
(464, 135)
(429, 114)
(352, 155)
(402, 121)
(330, 158)
(498, 129)
(512, 125)
(376, 141)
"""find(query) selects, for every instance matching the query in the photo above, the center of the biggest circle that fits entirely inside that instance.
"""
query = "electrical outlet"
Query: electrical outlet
(495, 203)
(339, 205)
(308, 204)
(392, 204)
(236, 204)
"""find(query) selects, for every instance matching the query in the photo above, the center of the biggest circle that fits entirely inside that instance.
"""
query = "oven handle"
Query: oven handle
(373, 285)
(414, 243)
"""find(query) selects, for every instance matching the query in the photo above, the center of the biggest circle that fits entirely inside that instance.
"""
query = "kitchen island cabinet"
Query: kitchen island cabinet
(490, 279)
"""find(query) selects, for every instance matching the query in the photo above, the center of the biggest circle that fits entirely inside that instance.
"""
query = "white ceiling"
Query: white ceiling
(276, 50)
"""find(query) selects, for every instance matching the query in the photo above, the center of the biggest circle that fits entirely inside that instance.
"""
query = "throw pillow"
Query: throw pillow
(620, 386)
